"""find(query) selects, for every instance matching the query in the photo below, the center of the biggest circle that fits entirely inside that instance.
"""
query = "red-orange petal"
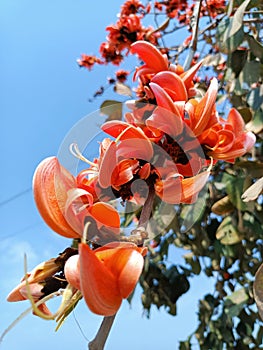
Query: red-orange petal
(105, 215)
(188, 76)
(172, 84)
(71, 271)
(107, 166)
(204, 109)
(98, 284)
(150, 55)
(51, 182)
(175, 190)
(235, 119)
(125, 261)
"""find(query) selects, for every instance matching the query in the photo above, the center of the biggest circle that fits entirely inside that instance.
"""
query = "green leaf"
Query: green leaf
(227, 232)
(237, 60)
(255, 46)
(231, 43)
(192, 213)
(250, 74)
(235, 302)
(254, 169)
(255, 98)
(256, 124)
(236, 22)
(111, 108)
(258, 290)
(162, 218)
(234, 189)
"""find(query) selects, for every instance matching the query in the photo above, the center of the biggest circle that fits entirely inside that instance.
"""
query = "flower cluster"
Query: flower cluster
(182, 10)
(127, 30)
(166, 145)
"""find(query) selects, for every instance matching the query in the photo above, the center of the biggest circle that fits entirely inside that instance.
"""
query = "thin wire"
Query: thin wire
(20, 231)
(79, 327)
(19, 194)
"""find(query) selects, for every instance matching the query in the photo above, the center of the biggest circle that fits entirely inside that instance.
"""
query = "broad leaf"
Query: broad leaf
(228, 43)
(254, 169)
(191, 213)
(236, 22)
(256, 124)
(227, 233)
(236, 302)
(255, 46)
(250, 74)
(111, 108)
(255, 98)
(258, 290)
(234, 189)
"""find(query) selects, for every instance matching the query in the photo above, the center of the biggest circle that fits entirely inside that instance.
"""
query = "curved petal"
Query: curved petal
(108, 164)
(71, 271)
(172, 84)
(166, 121)
(188, 76)
(235, 119)
(139, 148)
(105, 215)
(204, 109)
(148, 53)
(126, 264)
(124, 172)
(76, 207)
(51, 182)
(116, 127)
(125, 261)
(109, 248)
(98, 285)
(175, 190)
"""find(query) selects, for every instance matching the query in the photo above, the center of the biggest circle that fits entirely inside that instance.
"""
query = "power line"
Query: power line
(19, 194)
(29, 227)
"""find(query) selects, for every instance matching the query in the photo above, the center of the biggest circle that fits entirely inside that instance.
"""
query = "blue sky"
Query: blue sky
(43, 95)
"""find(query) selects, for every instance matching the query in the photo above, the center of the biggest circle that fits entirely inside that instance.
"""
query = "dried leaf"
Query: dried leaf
(161, 27)
(122, 89)
(253, 191)
(223, 206)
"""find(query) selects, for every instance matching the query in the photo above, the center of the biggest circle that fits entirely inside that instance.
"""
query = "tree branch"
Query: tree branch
(193, 44)
(101, 337)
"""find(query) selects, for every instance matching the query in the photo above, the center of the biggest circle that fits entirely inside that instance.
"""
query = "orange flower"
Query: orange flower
(64, 206)
(157, 69)
(105, 275)
(228, 139)
(120, 161)
(176, 189)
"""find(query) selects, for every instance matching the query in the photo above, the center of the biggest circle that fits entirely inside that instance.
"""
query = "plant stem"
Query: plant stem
(100, 339)
(193, 44)
(147, 208)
